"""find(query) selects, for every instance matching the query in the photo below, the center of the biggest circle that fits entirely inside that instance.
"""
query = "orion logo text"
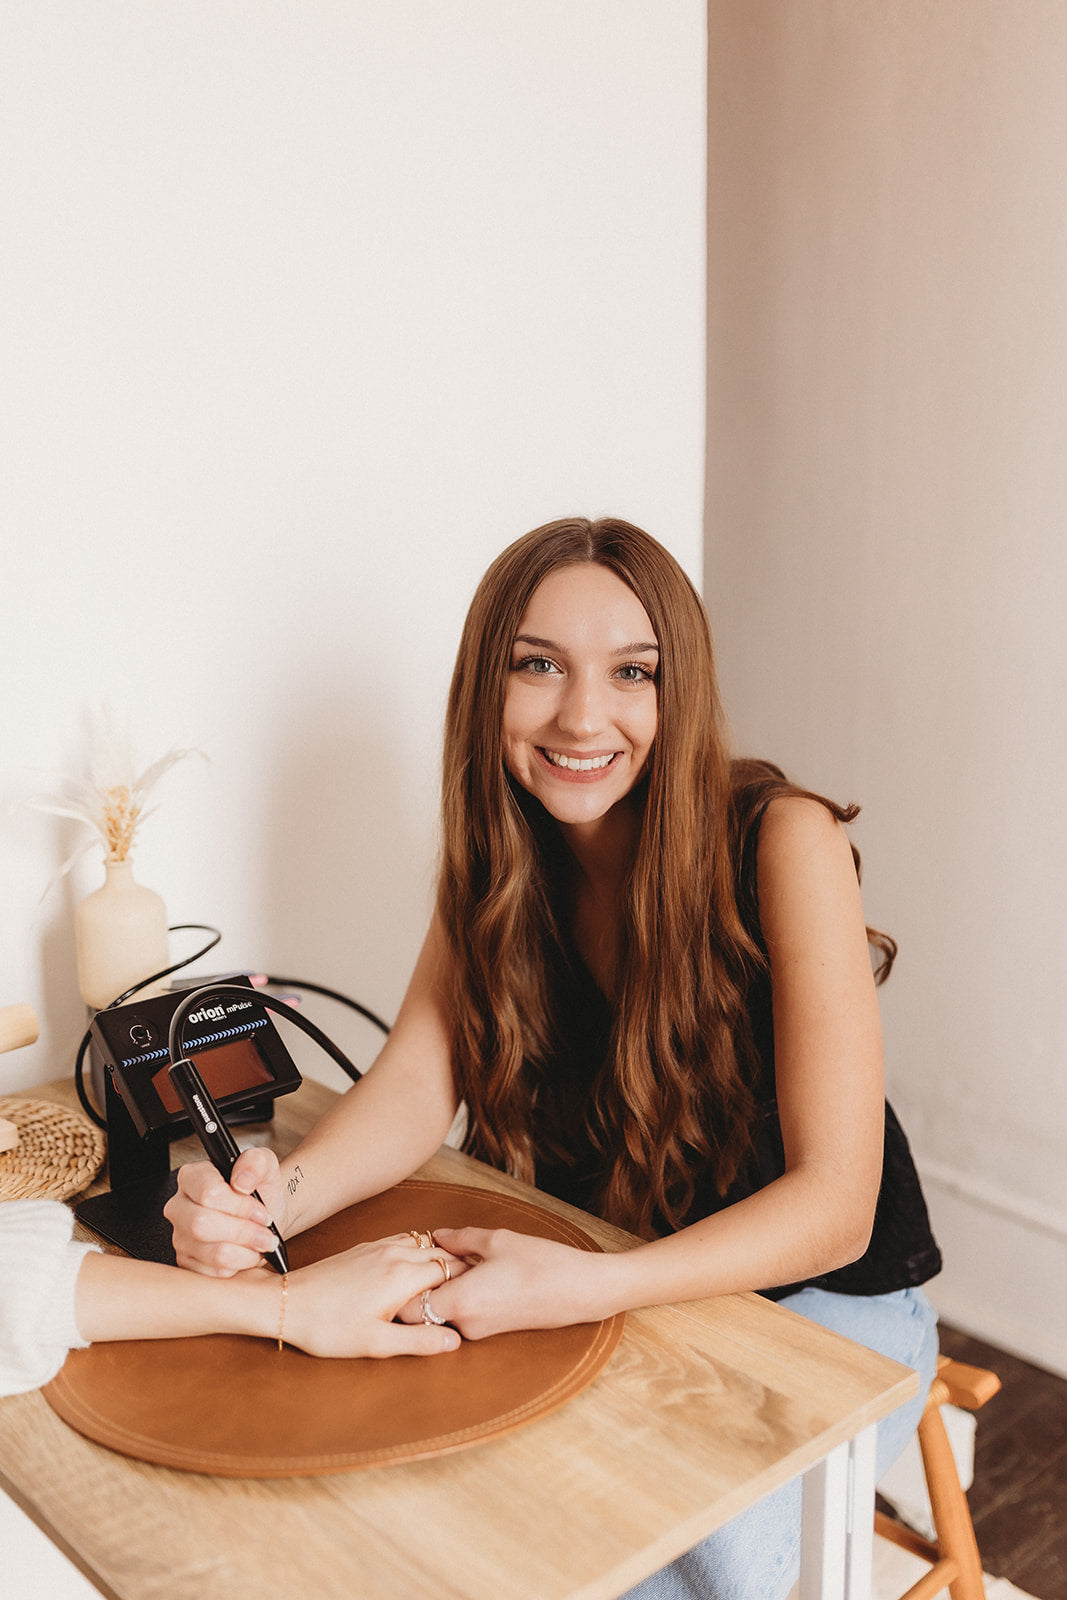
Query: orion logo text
(207, 1014)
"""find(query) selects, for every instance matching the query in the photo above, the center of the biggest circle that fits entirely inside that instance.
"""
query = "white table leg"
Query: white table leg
(837, 1531)
(861, 1515)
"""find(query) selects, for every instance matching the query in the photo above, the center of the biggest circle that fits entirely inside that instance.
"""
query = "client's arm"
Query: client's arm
(342, 1306)
(57, 1294)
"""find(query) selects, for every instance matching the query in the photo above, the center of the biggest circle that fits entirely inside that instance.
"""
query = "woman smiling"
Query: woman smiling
(648, 979)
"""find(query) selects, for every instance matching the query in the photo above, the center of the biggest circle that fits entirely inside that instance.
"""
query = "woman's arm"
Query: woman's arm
(828, 1067)
(57, 1293)
(385, 1127)
(343, 1306)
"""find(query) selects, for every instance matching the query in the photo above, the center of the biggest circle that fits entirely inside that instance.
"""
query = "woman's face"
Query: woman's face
(580, 708)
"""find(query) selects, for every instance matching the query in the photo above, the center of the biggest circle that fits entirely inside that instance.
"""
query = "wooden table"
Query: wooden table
(703, 1408)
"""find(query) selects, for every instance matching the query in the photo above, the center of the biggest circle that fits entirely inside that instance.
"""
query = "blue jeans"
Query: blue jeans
(757, 1555)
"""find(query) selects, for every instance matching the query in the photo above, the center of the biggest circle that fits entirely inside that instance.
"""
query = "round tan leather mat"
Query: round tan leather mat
(236, 1407)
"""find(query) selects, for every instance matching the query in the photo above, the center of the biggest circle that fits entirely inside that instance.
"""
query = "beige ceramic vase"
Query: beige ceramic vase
(120, 933)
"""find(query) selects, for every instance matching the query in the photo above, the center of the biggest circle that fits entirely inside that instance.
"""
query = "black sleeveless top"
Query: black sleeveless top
(902, 1252)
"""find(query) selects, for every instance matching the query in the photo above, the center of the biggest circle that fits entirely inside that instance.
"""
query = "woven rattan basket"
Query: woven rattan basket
(58, 1153)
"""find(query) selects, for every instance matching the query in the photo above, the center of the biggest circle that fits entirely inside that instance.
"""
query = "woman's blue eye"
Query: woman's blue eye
(634, 672)
(537, 665)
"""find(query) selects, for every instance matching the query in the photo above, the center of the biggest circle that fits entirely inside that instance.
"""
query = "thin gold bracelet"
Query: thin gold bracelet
(281, 1316)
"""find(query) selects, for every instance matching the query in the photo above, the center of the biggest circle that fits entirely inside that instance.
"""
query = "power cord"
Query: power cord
(331, 994)
(271, 1003)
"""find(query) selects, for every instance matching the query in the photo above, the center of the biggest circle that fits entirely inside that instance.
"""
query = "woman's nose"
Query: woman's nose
(581, 708)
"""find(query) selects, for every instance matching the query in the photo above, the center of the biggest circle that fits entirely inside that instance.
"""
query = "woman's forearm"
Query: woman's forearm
(119, 1298)
(804, 1224)
(376, 1134)
(390, 1122)
(800, 1226)
(344, 1305)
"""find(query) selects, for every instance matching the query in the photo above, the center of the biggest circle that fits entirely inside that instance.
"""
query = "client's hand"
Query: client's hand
(219, 1229)
(345, 1305)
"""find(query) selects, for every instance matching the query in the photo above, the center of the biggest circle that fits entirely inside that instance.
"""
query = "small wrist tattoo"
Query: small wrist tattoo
(294, 1182)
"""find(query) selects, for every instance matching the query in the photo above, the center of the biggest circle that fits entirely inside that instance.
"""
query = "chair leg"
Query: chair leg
(952, 1517)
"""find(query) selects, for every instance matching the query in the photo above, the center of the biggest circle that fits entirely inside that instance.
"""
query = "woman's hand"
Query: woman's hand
(219, 1228)
(345, 1305)
(519, 1281)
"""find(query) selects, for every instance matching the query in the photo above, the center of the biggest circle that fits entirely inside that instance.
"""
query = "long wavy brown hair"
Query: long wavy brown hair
(676, 1093)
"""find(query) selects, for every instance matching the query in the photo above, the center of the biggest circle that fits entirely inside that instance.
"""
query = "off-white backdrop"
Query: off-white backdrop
(886, 562)
(307, 311)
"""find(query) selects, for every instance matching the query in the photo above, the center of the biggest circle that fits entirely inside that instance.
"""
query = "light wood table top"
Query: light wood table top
(703, 1408)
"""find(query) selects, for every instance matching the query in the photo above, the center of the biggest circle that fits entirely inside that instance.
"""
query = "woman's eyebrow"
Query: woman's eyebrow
(639, 648)
(541, 644)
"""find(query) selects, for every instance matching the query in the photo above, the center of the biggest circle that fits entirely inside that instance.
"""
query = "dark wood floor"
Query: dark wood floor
(1019, 1496)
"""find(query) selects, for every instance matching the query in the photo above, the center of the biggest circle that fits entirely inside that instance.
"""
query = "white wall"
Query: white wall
(308, 310)
(887, 489)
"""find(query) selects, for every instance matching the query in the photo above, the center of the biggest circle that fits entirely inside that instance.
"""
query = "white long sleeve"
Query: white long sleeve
(39, 1266)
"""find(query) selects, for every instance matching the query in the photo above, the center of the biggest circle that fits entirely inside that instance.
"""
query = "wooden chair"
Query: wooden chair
(956, 1563)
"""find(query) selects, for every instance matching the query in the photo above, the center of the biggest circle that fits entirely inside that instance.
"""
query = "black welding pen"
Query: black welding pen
(219, 1143)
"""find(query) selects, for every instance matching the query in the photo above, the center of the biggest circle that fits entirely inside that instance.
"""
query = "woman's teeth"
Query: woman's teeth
(580, 763)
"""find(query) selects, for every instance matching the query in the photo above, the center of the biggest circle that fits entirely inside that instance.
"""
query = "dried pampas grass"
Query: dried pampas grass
(111, 801)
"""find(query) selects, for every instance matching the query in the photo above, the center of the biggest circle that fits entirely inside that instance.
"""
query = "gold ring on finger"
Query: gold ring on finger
(418, 1238)
(444, 1266)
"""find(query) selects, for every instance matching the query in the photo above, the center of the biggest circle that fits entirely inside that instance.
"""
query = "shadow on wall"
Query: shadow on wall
(347, 876)
(61, 1010)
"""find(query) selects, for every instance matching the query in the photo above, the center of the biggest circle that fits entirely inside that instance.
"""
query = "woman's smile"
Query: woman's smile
(577, 766)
